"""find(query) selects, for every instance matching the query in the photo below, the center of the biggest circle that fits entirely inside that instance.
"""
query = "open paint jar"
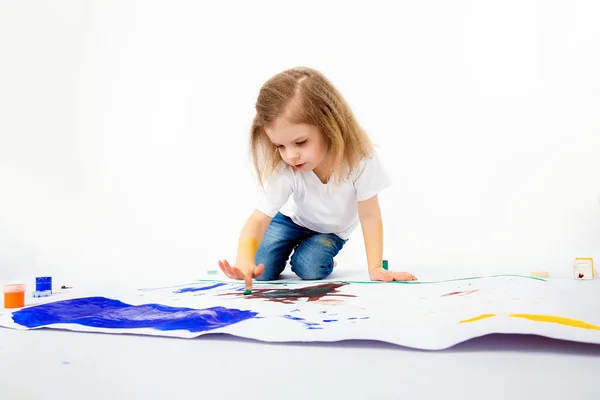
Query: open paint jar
(43, 286)
(14, 296)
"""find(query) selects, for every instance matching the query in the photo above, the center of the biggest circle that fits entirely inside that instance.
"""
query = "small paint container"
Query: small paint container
(583, 268)
(14, 296)
(43, 284)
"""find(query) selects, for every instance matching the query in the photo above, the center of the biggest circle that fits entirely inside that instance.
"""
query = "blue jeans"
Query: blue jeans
(313, 251)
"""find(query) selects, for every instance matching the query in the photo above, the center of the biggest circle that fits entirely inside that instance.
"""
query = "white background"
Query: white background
(124, 127)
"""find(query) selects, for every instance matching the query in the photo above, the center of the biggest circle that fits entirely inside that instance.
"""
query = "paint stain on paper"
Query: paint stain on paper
(542, 318)
(101, 312)
(557, 320)
(290, 296)
(354, 319)
(330, 302)
(460, 293)
(308, 324)
(479, 318)
(198, 289)
(317, 325)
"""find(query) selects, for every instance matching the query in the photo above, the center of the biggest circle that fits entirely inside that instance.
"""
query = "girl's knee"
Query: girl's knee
(273, 268)
(314, 273)
(311, 268)
(264, 277)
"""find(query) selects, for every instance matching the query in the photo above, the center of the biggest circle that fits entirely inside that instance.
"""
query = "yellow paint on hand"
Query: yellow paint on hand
(250, 244)
(479, 318)
(249, 247)
(557, 320)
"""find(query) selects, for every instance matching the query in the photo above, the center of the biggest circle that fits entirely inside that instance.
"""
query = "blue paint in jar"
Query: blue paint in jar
(44, 283)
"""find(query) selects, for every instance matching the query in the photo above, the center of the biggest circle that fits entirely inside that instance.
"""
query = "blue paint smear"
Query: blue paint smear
(294, 318)
(330, 320)
(198, 289)
(309, 325)
(100, 312)
(295, 310)
(164, 287)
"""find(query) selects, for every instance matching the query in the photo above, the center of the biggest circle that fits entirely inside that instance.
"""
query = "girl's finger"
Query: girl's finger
(258, 271)
(248, 279)
(222, 267)
(402, 276)
(228, 270)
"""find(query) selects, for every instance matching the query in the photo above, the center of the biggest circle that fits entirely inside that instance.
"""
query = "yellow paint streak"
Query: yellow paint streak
(326, 242)
(247, 248)
(542, 318)
(250, 244)
(479, 318)
(557, 320)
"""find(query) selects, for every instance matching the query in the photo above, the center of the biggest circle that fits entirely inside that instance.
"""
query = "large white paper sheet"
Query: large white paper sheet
(423, 315)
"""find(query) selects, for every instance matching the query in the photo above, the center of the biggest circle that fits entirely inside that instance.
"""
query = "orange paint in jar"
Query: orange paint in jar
(14, 296)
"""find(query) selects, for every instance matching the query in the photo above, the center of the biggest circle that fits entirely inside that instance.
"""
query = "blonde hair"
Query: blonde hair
(305, 96)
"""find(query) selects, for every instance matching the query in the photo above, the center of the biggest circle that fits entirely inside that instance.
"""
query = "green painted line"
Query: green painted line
(396, 282)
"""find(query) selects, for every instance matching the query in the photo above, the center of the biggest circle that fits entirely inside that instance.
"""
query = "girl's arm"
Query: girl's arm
(369, 214)
(250, 238)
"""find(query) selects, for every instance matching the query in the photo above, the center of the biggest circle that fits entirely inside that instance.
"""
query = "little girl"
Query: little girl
(320, 176)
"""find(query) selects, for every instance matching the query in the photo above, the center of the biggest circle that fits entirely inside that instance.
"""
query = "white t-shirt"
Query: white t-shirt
(323, 208)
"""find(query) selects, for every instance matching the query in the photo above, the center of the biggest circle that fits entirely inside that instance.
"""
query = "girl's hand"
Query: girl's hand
(242, 272)
(380, 274)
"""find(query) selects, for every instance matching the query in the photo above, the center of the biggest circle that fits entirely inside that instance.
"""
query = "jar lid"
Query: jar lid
(19, 287)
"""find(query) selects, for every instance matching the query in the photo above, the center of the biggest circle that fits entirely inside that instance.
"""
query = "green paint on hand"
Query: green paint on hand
(247, 292)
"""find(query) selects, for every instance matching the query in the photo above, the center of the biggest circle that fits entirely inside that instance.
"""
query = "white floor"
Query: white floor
(49, 364)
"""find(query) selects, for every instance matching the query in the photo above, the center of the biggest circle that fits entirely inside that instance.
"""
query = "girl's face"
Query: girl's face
(300, 145)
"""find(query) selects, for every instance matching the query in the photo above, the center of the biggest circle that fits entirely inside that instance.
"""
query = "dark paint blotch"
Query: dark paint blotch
(289, 296)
